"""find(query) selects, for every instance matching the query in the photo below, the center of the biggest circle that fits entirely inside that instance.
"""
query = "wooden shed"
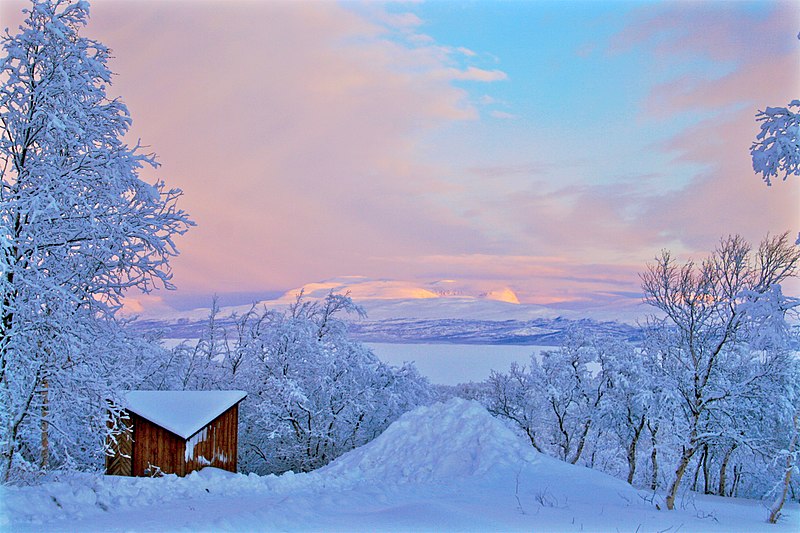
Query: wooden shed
(177, 432)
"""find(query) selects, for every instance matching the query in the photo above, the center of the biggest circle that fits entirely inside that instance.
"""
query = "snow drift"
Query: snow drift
(439, 443)
(447, 467)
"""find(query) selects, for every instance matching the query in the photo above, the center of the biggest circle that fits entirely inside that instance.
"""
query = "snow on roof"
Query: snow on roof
(181, 412)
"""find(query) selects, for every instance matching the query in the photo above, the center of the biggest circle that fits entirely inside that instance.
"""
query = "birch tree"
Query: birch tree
(79, 225)
(313, 392)
(707, 362)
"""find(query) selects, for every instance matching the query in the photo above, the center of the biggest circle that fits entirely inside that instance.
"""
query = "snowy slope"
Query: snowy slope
(439, 444)
(448, 467)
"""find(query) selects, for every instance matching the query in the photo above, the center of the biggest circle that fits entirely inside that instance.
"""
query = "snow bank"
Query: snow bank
(79, 495)
(447, 467)
(449, 440)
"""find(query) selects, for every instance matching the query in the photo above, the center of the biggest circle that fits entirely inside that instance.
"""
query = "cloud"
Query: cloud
(506, 170)
(502, 115)
(718, 66)
(475, 74)
(721, 32)
(293, 130)
(302, 134)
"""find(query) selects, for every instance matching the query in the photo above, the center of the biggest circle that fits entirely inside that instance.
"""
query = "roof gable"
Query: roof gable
(183, 413)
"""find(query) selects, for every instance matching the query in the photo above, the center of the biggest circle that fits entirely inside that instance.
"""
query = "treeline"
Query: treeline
(709, 401)
(313, 393)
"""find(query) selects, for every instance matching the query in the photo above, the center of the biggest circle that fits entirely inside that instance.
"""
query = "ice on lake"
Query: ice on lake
(450, 364)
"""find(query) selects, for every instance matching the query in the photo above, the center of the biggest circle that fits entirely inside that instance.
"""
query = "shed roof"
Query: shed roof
(184, 413)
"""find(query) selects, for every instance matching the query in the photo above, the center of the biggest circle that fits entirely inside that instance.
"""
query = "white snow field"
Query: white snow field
(448, 467)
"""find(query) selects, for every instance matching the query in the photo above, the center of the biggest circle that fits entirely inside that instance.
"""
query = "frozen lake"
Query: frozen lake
(450, 364)
(446, 364)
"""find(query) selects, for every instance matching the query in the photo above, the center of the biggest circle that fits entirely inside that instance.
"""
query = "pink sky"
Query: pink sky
(315, 140)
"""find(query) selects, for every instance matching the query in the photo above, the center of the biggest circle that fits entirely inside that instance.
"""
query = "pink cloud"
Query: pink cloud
(292, 130)
(762, 55)
(296, 131)
(727, 197)
(475, 74)
(717, 30)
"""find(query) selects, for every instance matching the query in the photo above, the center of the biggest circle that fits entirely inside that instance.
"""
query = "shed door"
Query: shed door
(121, 463)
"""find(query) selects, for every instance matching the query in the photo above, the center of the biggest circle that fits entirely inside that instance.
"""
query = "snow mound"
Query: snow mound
(438, 443)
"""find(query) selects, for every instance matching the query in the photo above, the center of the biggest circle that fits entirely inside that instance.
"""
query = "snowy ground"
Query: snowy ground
(449, 467)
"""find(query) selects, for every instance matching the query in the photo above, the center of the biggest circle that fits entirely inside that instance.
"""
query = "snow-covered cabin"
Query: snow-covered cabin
(176, 432)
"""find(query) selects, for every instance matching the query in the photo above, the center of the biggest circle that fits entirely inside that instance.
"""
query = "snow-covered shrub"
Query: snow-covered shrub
(313, 393)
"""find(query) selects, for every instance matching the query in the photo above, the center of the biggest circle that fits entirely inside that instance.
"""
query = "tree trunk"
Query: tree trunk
(637, 431)
(777, 505)
(531, 436)
(696, 476)
(581, 442)
(672, 492)
(706, 471)
(723, 470)
(12, 443)
(654, 456)
(737, 476)
(45, 457)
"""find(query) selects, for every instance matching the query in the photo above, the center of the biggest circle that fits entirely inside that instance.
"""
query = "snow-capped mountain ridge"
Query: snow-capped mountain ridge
(366, 289)
(444, 311)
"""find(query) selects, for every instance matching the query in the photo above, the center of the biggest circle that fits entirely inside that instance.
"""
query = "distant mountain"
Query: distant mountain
(540, 331)
(365, 289)
(444, 311)
(441, 312)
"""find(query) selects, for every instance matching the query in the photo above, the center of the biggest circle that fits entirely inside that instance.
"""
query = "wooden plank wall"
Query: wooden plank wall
(216, 445)
(121, 463)
(154, 445)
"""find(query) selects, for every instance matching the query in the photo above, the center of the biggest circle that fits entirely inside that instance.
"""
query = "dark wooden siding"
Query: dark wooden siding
(121, 463)
(216, 444)
(154, 446)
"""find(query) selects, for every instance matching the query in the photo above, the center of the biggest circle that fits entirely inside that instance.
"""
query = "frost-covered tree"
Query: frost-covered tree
(313, 392)
(574, 391)
(79, 226)
(777, 421)
(707, 366)
(517, 397)
(776, 149)
(557, 401)
(629, 409)
(199, 362)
